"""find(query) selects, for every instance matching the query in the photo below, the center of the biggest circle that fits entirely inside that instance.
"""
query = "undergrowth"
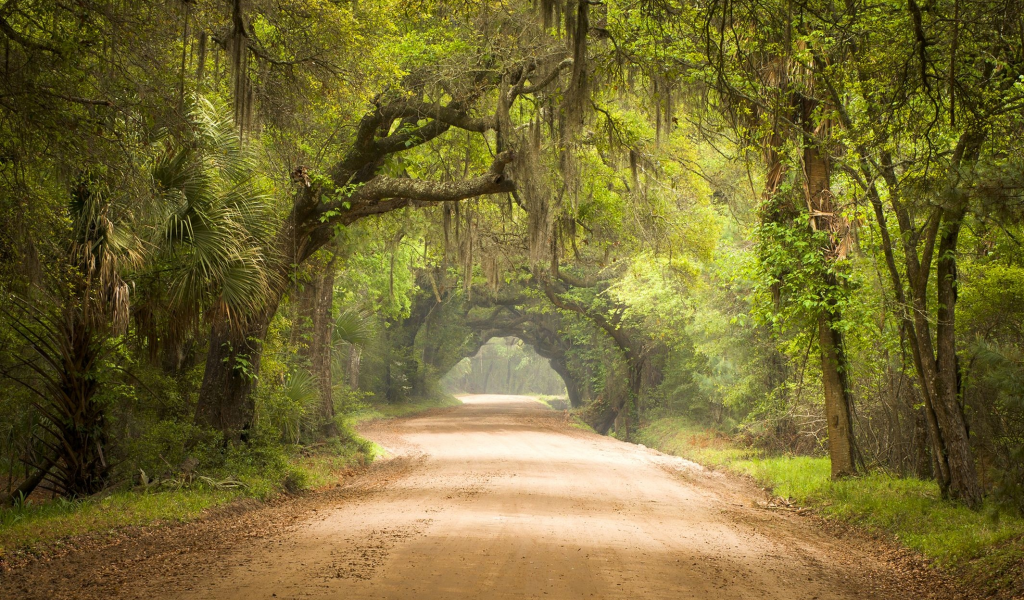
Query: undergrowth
(984, 547)
(260, 470)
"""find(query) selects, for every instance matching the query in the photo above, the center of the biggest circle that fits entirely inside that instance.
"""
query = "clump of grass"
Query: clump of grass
(553, 402)
(374, 411)
(984, 546)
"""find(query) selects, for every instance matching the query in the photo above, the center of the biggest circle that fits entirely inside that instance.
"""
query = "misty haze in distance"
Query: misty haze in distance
(504, 366)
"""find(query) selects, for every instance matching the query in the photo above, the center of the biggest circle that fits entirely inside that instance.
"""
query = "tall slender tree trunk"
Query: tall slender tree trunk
(912, 311)
(834, 365)
(963, 476)
(355, 354)
(936, 363)
(841, 447)
(316, 301)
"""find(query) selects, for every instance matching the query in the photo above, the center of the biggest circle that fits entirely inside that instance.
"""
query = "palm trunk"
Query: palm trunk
(226, 400)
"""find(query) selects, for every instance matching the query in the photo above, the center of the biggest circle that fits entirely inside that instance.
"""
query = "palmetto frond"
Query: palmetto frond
(102, 251)
(217, 218)
(298, 413)
(353, 327)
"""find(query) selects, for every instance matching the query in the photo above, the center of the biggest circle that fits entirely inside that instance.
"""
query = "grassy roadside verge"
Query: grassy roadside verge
(552, 402)
(561, 403)
(372, 412)
(260, 474)
(985, 549)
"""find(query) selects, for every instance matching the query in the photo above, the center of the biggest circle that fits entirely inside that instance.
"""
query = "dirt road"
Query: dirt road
(499, 498)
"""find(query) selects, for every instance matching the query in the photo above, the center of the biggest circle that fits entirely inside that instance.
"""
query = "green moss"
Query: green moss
(984, 546)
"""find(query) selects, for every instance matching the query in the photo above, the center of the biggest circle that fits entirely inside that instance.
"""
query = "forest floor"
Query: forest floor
(498, 498)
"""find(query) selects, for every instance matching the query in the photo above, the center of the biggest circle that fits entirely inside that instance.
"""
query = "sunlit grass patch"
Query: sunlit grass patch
(260, 471)
(552, 402)
(29, 525)
(375, 411)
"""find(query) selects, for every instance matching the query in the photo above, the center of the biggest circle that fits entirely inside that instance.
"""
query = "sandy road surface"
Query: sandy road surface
(498, 499)
(509, 503)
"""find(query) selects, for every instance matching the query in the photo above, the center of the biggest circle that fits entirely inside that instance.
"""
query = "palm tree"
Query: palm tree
(205, 224)
(215, 221)
(88, 306)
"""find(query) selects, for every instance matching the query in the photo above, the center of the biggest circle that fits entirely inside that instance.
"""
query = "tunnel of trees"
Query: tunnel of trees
(226, 223)
(504, 365)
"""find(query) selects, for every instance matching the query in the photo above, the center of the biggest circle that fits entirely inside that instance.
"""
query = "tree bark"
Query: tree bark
(226, 401)
(841, 448)
(935, 363)
(355, 354)
(572, 387)
(403, 367)
(963, 476)
(316, 301)
(834, 365)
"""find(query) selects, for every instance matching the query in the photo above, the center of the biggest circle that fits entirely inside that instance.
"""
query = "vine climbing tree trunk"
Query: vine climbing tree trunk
(226, 401)
(834, 365)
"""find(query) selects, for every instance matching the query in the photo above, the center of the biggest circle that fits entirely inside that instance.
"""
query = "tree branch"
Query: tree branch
(451, 114)
(382, 194)
(24, 40)
(542, 83)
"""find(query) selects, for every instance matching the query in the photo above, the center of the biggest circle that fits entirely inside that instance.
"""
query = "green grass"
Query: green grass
(261, 472)
(33, 526)
(29, 526)
(404, 409)
(984, 547)
(552, 402)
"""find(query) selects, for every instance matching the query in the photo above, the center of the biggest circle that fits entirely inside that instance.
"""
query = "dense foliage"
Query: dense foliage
(228, 225)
